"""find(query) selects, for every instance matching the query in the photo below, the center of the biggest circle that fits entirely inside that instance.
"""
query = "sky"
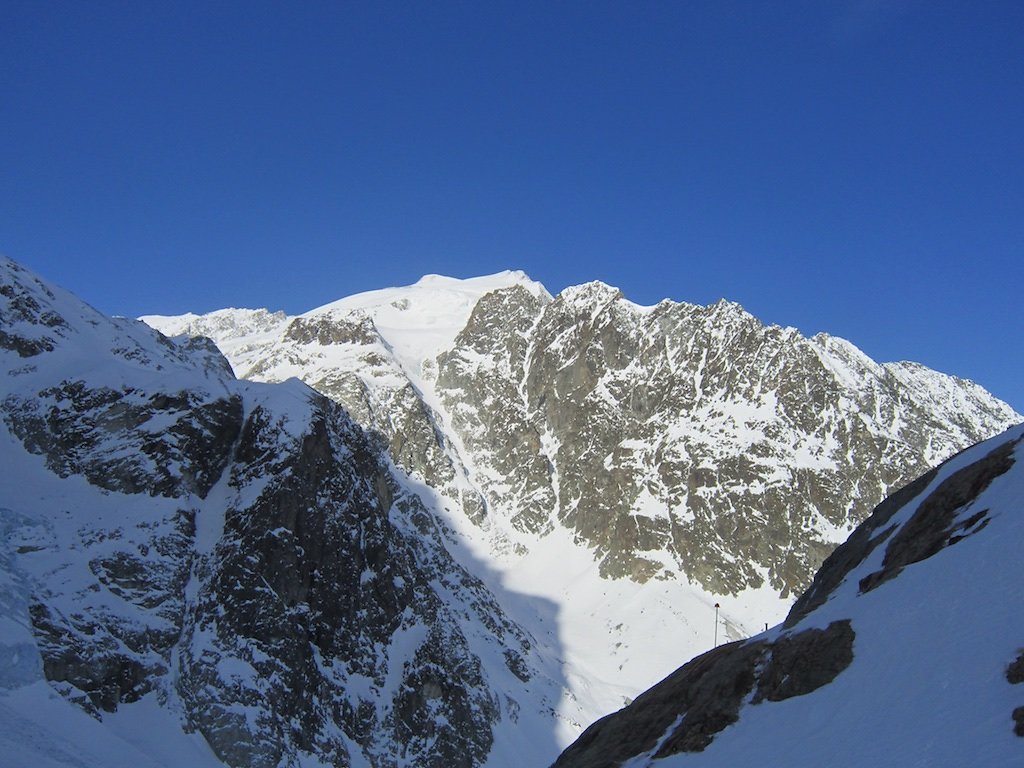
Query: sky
(854, 166)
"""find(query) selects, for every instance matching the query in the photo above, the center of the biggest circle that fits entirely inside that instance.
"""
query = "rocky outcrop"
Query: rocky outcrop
(932, 527)
(684, 712)
(342, 355)
(481, 382)
(935, 525)
(27, 326)
(105, 652)
(327, 614)
(685, 439)
(1015, 676)
(306, 594)
(129, 440)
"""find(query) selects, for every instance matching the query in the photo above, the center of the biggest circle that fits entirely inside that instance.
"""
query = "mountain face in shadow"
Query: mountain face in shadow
(240, 559)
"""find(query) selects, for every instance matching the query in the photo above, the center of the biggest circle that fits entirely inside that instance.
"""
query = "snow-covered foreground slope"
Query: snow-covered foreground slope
(908, 649)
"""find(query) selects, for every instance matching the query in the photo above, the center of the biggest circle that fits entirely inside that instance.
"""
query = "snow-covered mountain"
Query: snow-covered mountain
(196, 569)
(908, 648)
(521, 514)
(666, 438)
(674, 442)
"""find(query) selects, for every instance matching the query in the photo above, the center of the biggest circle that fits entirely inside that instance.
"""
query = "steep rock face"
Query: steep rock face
(127, 439)
(324, 616)
(481, 382)
(691, 439)
(925, 599)
(674, 440)
(933, 527)
(244, 554)
(686, 452)
(116, 404)
(341, 353)
(685, 711)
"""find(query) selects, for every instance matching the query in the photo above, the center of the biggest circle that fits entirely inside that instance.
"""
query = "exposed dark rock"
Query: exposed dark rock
(104, 657)
(1015, 672)
(27, 326)
(205, 351)
(83, 652)
(355, 329)
(621, 424)
(310, 586)
(855, 550)
(104, 434)
(671, 440)
(706, 693)
(304, 611)
(480, 379)
(517, 665)
(711, 701)
(805, 661)
(685, 711)
(434, 720)
(1015, 676)
(931, 528)
(25, 347)
(933, 525)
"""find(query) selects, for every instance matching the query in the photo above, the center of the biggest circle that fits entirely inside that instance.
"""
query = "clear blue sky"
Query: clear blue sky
(854, 166)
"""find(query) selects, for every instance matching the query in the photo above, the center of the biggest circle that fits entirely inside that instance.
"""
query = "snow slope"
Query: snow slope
(41, 512)
(415, 322)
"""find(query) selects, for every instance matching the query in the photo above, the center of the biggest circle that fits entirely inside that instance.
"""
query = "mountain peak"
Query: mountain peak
(503, 279)
(418, 321)
(442, 287)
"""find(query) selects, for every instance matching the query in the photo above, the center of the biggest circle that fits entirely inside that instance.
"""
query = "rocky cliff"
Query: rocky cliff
(242, 556)
(674, 441)
(496, 515)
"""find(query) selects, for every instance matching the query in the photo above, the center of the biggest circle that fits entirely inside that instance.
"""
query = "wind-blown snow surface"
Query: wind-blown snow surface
(928, 684)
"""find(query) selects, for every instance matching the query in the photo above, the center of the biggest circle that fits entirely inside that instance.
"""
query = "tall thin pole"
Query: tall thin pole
(717, 606)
